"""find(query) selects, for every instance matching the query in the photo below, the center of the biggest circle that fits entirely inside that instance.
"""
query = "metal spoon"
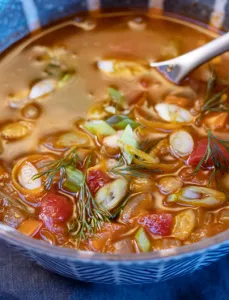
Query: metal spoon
(177, 68)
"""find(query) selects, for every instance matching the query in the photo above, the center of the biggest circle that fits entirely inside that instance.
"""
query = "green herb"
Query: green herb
(90, 215)
(120, 122)
(115, 94)
(213, 101)
(57, 72)
(54, 70)
(132, 171)
(215, 151)
(58, 166)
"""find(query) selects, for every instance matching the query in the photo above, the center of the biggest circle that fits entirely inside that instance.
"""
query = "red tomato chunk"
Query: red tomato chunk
(97, 179)
(199, 151)
(158, 224)
(55, 209)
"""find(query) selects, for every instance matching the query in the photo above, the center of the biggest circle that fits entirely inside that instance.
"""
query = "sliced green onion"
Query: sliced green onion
(67, 185)
(74, 175)
(75, 179)
(99, 127)
(199, 196)
(128, 138)
(142, 240)
(112, 193)
(116, 95)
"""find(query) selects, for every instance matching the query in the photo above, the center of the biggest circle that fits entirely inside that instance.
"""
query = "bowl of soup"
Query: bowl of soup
(109, 172)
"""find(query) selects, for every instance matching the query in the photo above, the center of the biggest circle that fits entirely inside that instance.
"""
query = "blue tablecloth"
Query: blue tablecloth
(21, 279)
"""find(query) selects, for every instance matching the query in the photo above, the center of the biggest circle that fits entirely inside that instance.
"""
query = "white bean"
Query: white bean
(25, 177)
(42, 88)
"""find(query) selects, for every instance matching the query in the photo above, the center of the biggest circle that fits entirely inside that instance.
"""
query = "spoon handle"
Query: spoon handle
(208, 51)
(184, 64)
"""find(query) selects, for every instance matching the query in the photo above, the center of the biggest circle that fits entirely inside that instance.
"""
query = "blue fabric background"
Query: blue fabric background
(21, 279)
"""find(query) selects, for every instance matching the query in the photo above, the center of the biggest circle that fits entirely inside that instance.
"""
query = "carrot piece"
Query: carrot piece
(30, 227)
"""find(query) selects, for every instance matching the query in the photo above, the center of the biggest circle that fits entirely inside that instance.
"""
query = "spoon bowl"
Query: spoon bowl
(177, 68)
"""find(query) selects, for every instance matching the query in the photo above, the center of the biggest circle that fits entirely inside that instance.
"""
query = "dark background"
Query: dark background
(21, 279)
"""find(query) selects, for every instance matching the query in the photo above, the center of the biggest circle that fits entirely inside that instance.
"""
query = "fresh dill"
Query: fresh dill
(213, 102)
(216, 151)
(90, 215)
(55, 167)
(131, 171)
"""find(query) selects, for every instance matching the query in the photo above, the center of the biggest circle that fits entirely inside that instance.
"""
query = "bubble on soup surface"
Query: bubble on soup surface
(31, 111)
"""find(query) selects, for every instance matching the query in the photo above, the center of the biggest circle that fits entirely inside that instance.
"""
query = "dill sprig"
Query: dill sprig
(55, 167)
(90, 215)
(213, 102)
(131, 171)
(215, 151)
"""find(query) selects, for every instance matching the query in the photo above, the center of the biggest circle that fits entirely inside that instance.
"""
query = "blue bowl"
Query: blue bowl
(17, 20)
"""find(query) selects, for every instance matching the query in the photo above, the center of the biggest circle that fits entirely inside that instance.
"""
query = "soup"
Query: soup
(99, 151)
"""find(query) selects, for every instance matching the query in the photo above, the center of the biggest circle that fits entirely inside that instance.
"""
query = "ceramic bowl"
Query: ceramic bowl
(17, 20)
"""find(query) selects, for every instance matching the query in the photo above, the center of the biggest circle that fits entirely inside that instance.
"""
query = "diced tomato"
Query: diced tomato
(55, 209)
(157, 224)
(199, 151)
(96, 179)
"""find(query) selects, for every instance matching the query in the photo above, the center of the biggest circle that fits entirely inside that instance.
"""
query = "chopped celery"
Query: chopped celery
(142, 240)
(116, 95)
(128, 138)
(99, 127)
(120, 122)
(75, 179)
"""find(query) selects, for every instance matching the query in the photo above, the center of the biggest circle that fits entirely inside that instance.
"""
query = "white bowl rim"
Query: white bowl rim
(13, 237)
